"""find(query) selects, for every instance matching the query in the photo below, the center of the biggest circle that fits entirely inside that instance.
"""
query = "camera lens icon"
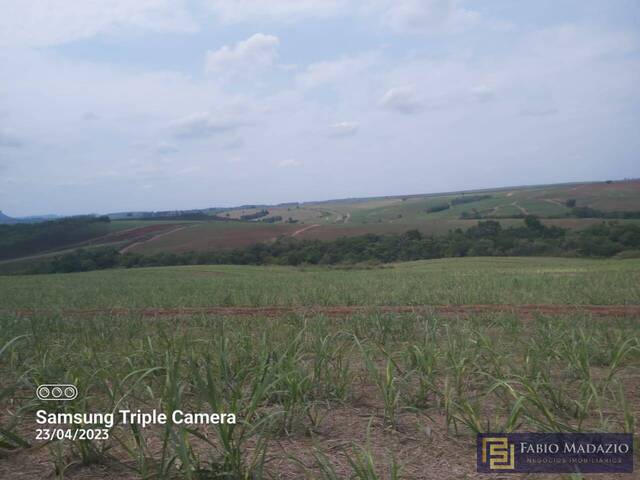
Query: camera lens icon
(62, 392)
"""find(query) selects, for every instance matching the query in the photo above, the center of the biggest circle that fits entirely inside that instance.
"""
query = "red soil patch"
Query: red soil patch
(622, 195)
(334, 231)
(135, 234)
(206, 239)
(148, 238)
(462, 310)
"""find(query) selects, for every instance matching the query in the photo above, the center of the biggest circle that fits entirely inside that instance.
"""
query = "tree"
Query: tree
(533, 223)
(413, 235)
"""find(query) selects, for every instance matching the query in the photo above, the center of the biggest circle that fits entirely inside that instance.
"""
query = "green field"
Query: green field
(542, 201)
(365, 395)
(448, 281)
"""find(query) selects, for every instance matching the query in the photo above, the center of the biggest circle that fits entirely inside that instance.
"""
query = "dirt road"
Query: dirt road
(135, 244)
(298, 232)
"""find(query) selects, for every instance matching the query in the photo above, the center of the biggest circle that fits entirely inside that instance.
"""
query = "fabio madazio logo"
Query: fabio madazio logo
(57, 391)
(555, 452)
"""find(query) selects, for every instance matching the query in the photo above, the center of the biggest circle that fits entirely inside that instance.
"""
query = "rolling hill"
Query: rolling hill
(574, 206)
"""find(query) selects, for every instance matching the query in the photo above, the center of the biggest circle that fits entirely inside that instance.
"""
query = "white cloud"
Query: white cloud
(483, 88)
(165, 148)
(233, 144)
(440, 84)
(482, 93)
(257, 51)
(425, 16)
(343, 129)
(202, 125)
(9, 139)
(578, 43)
(538, 111)
(406, 16)
(53, 22)
(235, 11)
(403, 99)
(89, 116)
(288, 163)
(334, 71)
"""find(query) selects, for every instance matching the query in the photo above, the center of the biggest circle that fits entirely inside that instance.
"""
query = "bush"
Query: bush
(437, 208)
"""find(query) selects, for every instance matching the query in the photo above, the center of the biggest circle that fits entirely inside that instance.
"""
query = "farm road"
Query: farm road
(135, 244)
(298, 232)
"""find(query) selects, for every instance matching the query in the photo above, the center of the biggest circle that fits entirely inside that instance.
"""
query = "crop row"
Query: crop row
(284, 377)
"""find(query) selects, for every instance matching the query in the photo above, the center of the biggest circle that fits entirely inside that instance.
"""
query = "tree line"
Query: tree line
(27, 238)
(487, 238)
(457, 201)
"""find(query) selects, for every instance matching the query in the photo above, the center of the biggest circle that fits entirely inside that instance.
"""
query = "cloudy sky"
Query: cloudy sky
(110, 105)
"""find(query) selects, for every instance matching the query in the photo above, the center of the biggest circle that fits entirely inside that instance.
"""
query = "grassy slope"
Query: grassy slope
(542, 201)
(447, 281)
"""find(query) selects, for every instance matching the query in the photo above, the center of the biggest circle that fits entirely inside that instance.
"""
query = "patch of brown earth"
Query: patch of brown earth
(136, 233)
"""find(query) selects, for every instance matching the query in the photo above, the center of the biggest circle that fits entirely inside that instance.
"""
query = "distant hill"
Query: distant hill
(574, 206)
(7, 220)
(39, 218)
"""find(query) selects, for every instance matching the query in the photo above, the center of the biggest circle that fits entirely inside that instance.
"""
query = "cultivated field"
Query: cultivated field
(456, 281)
(333, 373)
(333, 219)
(351, 217)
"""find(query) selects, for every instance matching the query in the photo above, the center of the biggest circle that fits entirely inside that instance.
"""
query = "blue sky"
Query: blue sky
(118, 105)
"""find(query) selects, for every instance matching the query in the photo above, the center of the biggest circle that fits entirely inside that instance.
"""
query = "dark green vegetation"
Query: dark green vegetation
(588, 212)
(487, 238)
(254, 216)
(457, 201)
(24, 239)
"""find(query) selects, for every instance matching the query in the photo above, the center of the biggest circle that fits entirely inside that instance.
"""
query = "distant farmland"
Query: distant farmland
(431, 214)
(333, 219)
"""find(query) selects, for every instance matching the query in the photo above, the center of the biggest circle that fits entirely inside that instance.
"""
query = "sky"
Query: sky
(119, 105)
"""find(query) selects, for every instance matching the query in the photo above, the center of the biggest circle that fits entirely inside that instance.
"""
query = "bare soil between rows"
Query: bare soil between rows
(526, 310)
